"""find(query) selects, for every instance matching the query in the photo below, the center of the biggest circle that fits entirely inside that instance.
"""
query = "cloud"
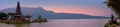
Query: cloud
(90, 10)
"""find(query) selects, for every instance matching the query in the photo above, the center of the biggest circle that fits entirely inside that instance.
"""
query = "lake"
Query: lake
(65, 23)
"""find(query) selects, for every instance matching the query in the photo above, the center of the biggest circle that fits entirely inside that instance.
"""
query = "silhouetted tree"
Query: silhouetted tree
(11, 14)
(115, 6)
(2, 16)
(39, 17)
(113, 20)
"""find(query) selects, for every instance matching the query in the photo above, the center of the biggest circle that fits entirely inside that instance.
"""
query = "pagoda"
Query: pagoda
(18, 14)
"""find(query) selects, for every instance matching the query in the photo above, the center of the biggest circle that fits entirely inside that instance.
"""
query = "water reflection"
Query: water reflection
(65, 23)
(6, 25)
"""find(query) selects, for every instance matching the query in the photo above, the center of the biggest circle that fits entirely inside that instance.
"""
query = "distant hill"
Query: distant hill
(50, 14)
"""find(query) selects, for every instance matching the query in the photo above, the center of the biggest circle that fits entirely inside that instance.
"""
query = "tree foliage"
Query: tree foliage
(2, 15)
(114, 5)
(12, 14)
(28, 16)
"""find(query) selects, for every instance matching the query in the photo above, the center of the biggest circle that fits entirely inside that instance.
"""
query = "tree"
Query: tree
(2, 16)
(28, 16)
(115, 6)
(11, 14)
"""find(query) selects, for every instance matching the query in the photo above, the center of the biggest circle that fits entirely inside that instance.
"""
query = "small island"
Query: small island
(17, 18)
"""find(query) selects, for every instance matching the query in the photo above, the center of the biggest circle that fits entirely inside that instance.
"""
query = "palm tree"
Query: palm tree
(115, 6)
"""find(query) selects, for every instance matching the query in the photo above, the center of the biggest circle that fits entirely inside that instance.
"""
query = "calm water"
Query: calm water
(65, 23)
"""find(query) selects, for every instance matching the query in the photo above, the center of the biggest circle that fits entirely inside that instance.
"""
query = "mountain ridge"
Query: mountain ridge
(49, 14)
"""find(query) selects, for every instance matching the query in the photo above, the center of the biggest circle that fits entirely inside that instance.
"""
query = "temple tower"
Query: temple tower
(18, 9)
(18, 16)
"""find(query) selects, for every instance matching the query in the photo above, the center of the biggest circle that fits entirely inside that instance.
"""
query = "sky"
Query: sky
(89, 7)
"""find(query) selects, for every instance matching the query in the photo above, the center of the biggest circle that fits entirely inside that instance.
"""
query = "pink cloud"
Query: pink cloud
(95, 11)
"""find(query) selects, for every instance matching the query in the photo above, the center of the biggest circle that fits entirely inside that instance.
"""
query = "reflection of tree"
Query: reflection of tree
(115, 5)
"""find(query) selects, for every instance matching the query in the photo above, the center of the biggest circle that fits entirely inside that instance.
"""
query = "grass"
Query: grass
(118, 23)
(17, 24)
(107, 25)
(113, 25)
(3, 21)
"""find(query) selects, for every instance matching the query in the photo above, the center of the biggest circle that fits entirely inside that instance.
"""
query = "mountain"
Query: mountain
(49, 14)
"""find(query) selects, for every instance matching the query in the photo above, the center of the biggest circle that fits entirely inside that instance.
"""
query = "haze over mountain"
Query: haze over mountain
(34, 12)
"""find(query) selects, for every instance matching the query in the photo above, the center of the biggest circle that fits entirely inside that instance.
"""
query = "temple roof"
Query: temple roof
(18, 9)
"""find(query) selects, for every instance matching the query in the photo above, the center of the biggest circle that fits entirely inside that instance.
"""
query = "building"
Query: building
(18, 14)
(20, 18)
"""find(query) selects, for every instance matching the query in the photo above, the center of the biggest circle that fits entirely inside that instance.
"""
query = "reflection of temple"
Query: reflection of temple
(18, 16)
